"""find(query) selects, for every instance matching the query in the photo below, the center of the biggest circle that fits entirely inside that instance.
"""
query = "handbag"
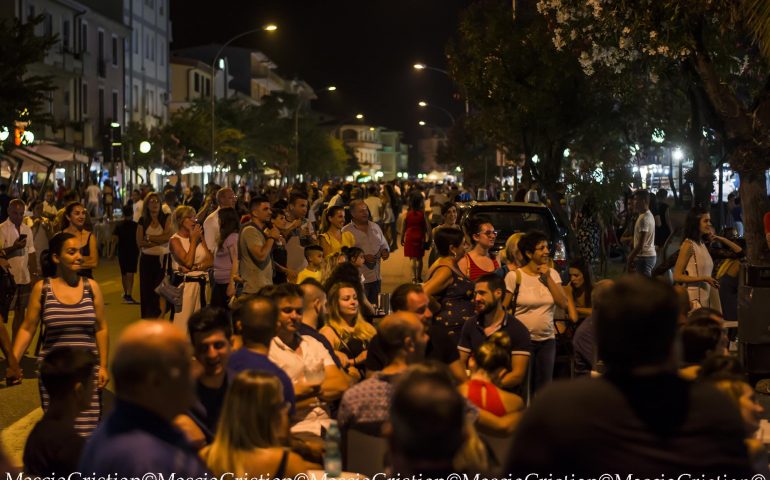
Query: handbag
(7, 286)
(173, 294)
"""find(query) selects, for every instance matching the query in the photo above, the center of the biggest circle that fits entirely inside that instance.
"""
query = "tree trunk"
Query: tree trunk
(753, 192)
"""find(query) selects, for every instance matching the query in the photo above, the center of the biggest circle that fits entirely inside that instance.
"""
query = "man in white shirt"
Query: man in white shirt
(375, 204)
(49, 206)
(19, 248)
(304, 359)
(642, 257)
(370, 239)
(225, 199)
(94, 196)
(138, 205)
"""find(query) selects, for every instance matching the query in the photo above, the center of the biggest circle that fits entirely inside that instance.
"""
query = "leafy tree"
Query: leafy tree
(710, 42)
(22, 95)
(535, 105)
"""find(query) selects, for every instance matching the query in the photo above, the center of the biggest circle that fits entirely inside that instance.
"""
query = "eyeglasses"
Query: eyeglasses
(489, 233)
(288, 310)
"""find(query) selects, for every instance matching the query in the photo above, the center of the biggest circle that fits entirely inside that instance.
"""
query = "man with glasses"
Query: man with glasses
(305, 360)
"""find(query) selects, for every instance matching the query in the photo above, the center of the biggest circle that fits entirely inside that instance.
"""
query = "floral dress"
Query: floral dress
(456, 303)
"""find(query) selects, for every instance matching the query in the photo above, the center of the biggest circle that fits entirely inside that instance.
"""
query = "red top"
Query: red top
(474, 271)
(494, 403)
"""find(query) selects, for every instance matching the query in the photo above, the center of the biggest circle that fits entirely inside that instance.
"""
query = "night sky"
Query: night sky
(366, 48)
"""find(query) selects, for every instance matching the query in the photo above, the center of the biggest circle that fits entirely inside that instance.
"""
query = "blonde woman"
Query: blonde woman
(332, 237)
(253, 430)
(190, 258)
(346, 330)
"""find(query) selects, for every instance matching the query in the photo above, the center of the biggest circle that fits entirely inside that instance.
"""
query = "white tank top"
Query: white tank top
(200, 251)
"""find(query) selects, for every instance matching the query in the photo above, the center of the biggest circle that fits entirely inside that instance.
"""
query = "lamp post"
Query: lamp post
(424, 104)
(265, 28)
(422, 66)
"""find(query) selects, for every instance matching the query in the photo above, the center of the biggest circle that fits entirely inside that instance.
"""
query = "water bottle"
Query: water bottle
(333, 456)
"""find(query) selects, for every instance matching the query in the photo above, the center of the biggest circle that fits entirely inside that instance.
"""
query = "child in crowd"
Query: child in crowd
(53, 447)
(314, 255)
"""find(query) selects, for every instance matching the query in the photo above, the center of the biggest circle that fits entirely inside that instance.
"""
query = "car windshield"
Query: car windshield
(508, 222)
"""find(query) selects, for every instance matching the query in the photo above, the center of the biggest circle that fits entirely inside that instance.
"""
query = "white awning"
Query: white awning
(37, 158)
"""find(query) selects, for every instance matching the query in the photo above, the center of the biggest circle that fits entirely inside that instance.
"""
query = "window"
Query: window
(196, 82)
(84, 37)
(48, 25)
(84, 99)
(208, 87)
(161, 7)
(65, 35)
(136, 42)
(30, 12)
(100, 45)
(147, 46)
(114, 51)
(101, 107)
(162, 54)
(150, 102)
(152, 48)
(135, 99)
(115, 109)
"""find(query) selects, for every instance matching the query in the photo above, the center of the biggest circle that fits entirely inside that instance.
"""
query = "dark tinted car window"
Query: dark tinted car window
(507, 222)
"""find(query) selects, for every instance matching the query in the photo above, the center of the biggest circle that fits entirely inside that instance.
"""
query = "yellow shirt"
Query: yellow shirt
(348, 240)
(308, 274)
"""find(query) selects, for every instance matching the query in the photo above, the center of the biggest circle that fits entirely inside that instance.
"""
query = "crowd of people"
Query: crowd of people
(265, 328)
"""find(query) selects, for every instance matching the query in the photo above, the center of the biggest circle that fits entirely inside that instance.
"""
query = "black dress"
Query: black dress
(85, 251)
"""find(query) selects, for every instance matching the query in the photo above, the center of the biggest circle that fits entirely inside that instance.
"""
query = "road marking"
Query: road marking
(15, 436)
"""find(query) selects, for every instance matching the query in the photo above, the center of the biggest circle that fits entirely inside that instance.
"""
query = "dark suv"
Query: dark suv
(513, 217)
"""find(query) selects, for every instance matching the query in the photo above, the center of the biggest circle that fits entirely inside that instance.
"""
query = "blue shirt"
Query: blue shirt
(244, 359)
(133, 441)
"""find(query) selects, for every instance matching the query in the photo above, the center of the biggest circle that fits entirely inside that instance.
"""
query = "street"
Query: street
(21, 404)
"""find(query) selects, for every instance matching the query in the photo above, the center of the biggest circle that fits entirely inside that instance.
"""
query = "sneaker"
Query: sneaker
(128, 299)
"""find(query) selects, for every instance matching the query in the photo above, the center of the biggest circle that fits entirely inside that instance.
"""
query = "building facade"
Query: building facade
(380, 153)
(147, 70)
(86, 66)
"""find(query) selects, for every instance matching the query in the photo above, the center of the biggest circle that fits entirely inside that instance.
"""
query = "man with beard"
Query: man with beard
(314, 314)
(492, 317)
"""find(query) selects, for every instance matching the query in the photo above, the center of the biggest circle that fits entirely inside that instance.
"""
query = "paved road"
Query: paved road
(20, 405)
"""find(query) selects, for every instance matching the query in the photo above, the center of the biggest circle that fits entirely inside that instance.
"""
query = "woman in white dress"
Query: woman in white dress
(694, 265)
(190, 259)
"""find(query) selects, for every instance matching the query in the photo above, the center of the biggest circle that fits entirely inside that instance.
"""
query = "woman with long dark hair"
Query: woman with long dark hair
(694, 265)
(580, 287)
(74, 223)
(72, 309)
(226, 258)
(152, 234)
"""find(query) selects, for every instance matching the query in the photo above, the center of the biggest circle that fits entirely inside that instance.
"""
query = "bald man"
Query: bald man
(154, 382)
(225, 199)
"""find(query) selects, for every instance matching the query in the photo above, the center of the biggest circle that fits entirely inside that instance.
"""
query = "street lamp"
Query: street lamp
(145, 146)
(424, 104)
(422, 66)
(331, 88)
(265, 28)
(421, 123)
(360, 116)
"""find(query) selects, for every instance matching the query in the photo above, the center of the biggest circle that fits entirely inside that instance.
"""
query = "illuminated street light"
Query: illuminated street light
(4, 134)
(422, 103)
(115, 125)
(360, 116)
(331, 88)
(145, 147)
(678, 154)
(421, 123)
(419, 66)
(270, 27)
